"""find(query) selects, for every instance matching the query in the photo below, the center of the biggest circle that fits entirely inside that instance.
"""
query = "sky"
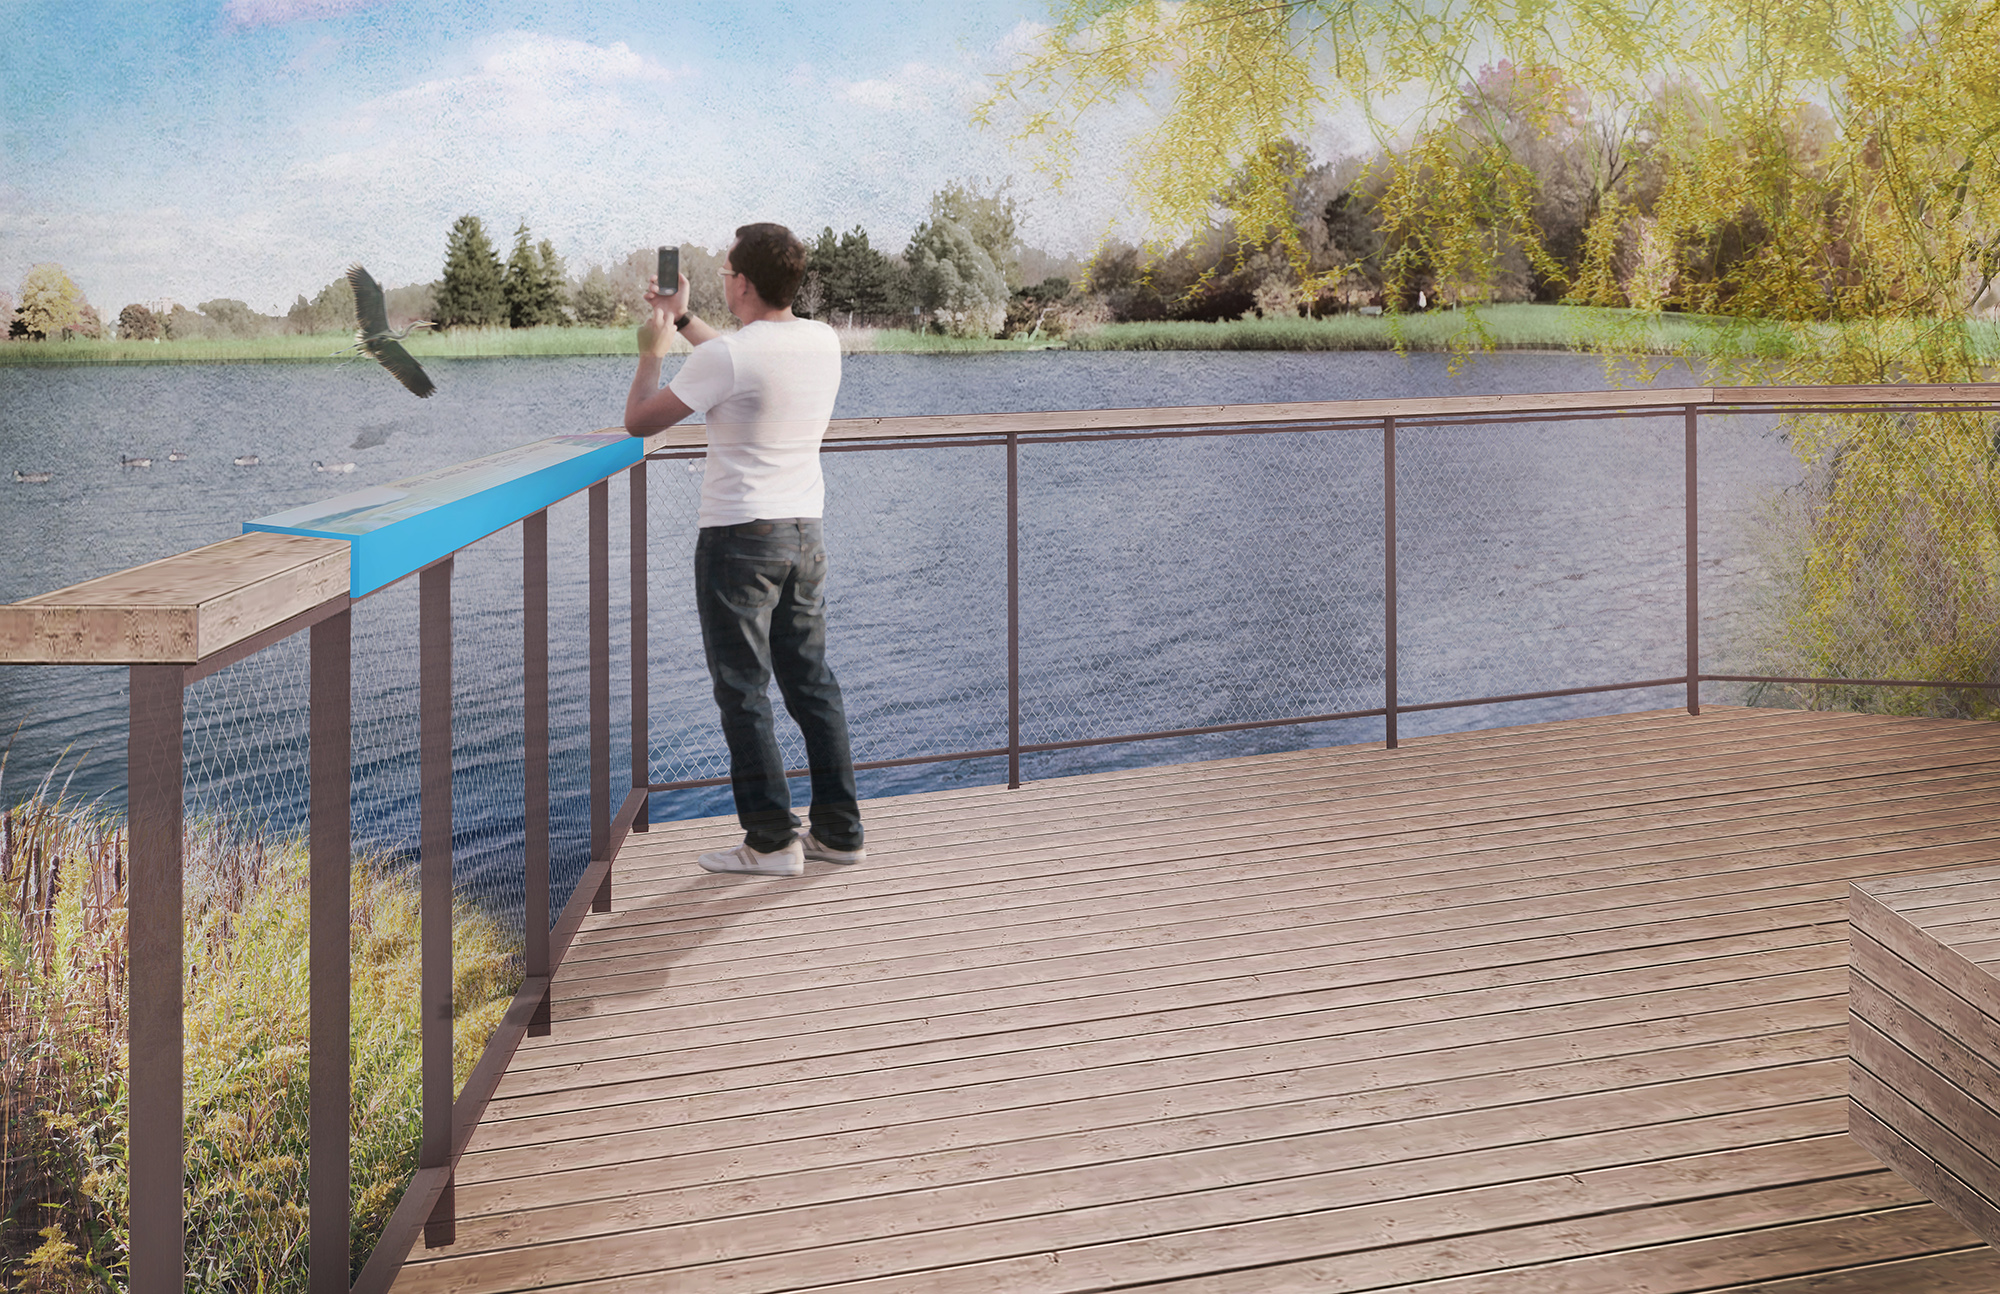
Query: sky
(252, 149)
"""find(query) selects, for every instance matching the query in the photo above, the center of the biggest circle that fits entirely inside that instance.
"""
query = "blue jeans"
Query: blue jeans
(760, 588)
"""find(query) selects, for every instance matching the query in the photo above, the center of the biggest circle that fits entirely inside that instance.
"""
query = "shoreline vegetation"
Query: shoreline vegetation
(63, 1014)
(1468, 331)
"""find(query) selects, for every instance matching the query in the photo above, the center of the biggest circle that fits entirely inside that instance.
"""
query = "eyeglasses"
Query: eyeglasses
(730, 274)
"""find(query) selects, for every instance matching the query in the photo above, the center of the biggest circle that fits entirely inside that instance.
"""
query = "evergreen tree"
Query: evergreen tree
(595, 301)
(470, 293)
(856, 280)
(533, 284)
(554, 284)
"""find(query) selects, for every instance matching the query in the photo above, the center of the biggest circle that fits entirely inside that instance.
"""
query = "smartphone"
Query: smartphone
(670, 270)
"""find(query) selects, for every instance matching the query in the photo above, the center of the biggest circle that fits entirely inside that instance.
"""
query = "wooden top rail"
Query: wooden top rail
(180, 609)
(948, 426)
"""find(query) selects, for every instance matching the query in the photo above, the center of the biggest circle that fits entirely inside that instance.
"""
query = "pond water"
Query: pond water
(1164, 583)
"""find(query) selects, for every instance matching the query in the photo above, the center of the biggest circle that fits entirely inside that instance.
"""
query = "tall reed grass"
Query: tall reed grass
(64, 1223)
(1502, 327)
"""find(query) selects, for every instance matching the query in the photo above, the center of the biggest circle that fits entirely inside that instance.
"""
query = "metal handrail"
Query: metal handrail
(155, 776)
(1011, 431)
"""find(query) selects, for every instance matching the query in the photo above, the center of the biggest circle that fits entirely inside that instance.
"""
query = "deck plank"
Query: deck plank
(1555, 1007)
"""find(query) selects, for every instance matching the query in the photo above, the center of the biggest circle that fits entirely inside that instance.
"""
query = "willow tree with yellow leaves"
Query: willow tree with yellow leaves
(1816, 181)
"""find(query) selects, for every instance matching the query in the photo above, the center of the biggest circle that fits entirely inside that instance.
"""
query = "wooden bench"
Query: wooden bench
(1924, 1035)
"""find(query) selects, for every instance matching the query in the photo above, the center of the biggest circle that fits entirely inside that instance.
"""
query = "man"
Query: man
(760, 568)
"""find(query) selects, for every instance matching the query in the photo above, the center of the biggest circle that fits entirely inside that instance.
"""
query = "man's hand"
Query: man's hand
(656, 335)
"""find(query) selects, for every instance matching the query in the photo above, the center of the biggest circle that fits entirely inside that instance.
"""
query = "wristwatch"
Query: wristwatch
(682, 322)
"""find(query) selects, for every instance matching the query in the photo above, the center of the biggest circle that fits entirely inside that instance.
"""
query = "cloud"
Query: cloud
(914, 88)
(595, 146)
(267, 13)
(1025, 38)
(532, 83)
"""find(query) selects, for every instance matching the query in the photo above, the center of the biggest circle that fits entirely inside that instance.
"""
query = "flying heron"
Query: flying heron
(373, 336)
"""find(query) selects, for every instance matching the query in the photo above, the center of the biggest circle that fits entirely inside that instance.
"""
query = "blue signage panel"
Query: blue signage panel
(392, 530)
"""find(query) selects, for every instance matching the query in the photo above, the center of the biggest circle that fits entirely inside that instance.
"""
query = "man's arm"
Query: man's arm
(650, 407)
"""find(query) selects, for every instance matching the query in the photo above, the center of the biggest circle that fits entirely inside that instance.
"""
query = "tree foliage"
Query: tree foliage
(51, 304)
(1830, 169)
(701, 267)
(330, 310)
(594, 301)
(227, 317)
(1796, 162)
(954, 279)
(992, 219)
(533, 284)
(855, 279)
(137, 323)
(470, 293)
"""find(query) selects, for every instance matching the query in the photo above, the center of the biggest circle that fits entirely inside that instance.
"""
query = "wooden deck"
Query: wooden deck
(1558, 1009)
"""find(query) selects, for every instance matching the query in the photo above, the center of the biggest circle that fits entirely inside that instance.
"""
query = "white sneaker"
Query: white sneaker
(820, 853)
(789, 861)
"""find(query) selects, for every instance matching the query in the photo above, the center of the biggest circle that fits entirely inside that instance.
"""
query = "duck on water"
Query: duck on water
(32, 478)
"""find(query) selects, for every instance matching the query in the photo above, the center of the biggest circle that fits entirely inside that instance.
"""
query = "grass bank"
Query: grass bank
(63, 1184)
(1500, 327)
(460, 343)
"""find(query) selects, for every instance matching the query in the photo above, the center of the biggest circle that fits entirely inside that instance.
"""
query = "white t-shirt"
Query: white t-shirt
(768, 391)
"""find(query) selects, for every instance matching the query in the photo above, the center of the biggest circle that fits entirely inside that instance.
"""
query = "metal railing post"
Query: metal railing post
(153, 906)
(535, 751)
(1693, 565)
(1013, 611)
(435, 811)
(642, 759)
(1389, 688)
(600, 685)
(330, 859)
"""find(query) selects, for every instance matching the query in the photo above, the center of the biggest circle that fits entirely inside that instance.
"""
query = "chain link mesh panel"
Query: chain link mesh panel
(1882, 562)
(488, 760)
(682, 735)
(569, 681)
(916, 615)
(1748, 479)
(917, 606)
(1535, 557)
(244, 744)
(1194, 581)
(246, 799)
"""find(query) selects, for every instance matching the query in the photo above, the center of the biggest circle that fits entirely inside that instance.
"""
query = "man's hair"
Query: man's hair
(773, 259)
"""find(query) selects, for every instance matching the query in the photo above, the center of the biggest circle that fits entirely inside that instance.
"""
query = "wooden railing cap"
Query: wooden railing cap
(179, 609)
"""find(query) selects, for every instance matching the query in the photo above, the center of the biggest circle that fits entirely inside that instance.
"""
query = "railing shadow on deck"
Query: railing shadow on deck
(306, 572)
